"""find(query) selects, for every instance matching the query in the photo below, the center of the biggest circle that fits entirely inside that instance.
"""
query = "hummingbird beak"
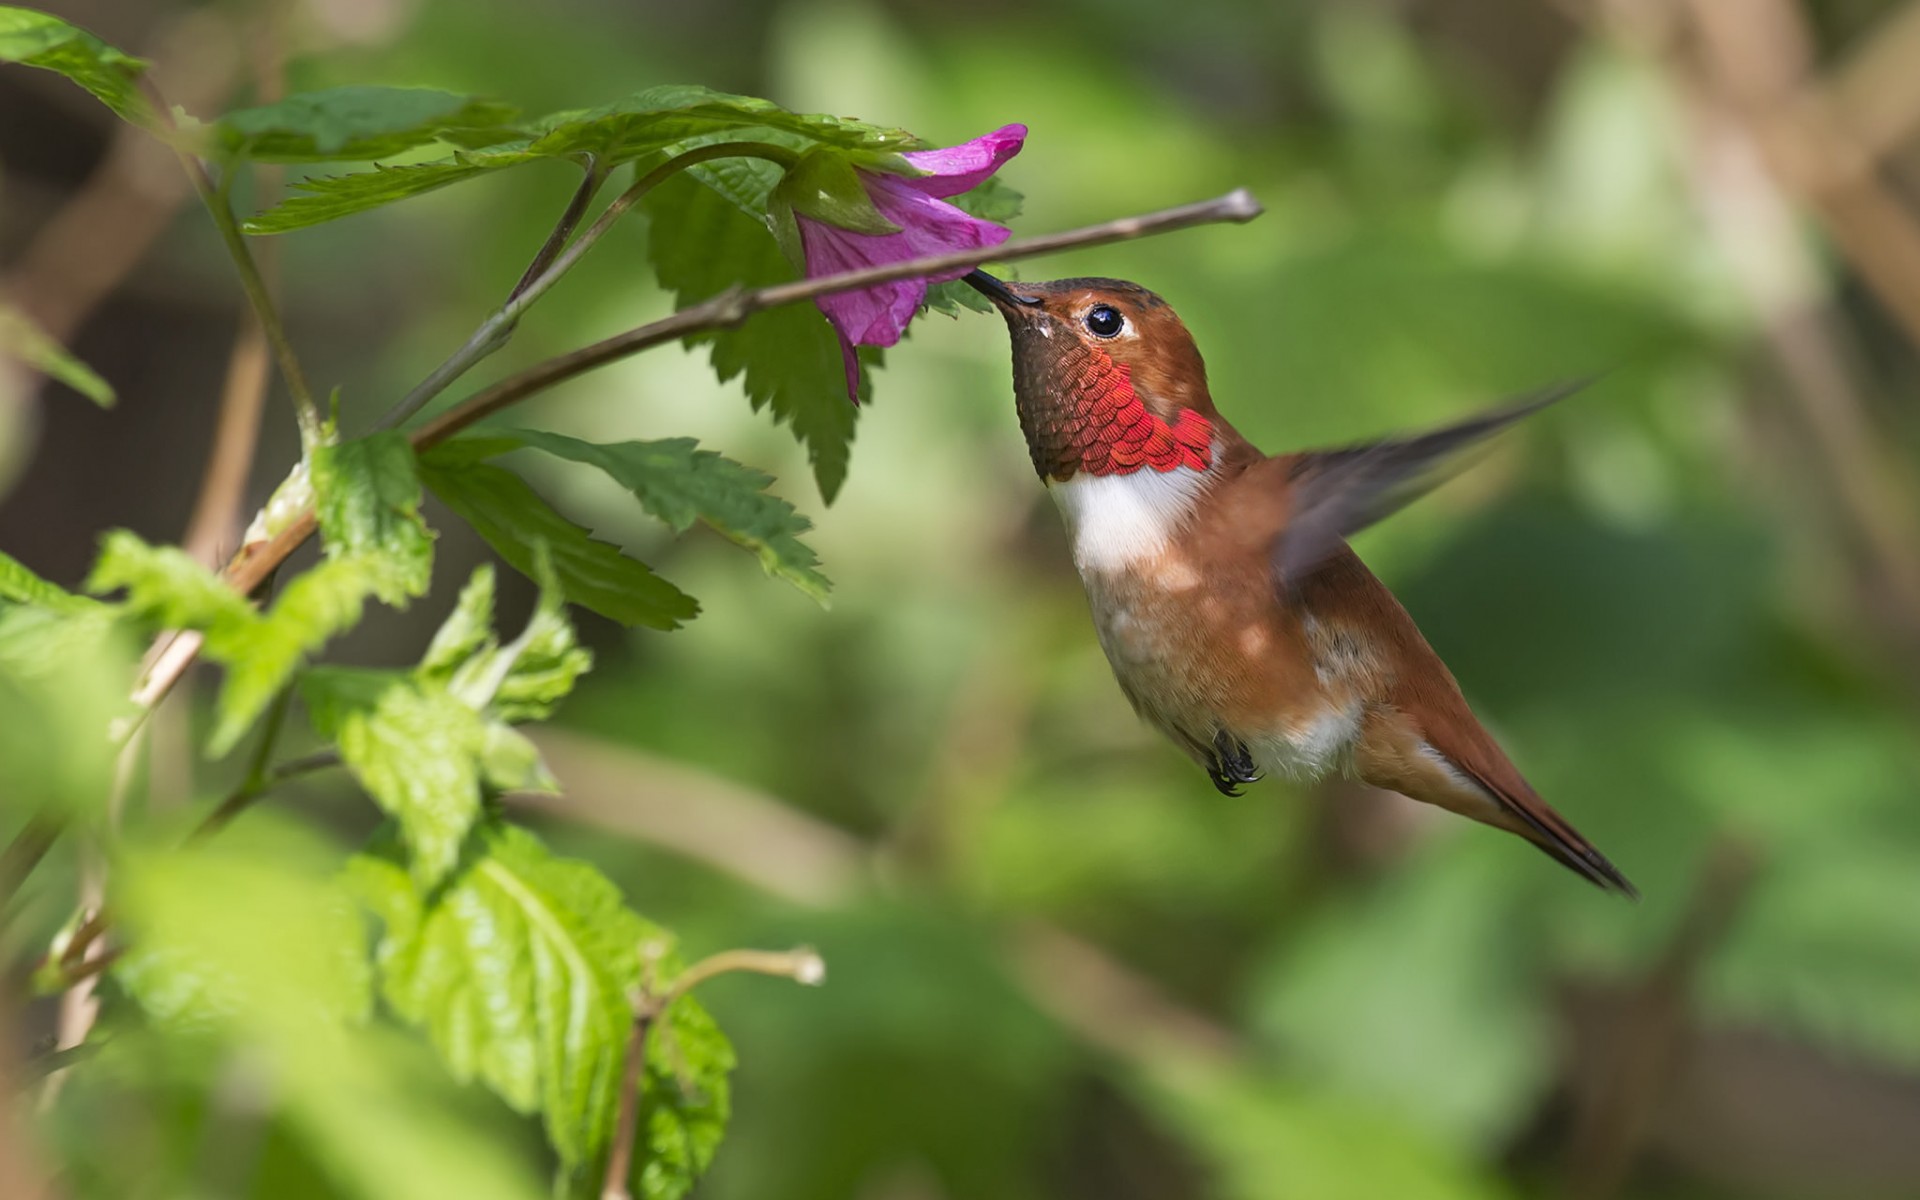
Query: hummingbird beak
(1004, 298)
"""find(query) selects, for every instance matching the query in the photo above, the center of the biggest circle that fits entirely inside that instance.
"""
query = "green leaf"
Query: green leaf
(330, 197)
(25, 342)
(359, 124)
(247, 952)
(22, 586)
(415, 748)
(521, 681)
(520, 969)
(262, 656)
(166, 586)
(36, 39)
(823, 185)
(680, 483)
(514, 520)
(643, 124)
(790, 357)
(367, 500)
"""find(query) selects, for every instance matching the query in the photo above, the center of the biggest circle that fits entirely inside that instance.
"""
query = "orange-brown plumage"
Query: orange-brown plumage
(1236, 618)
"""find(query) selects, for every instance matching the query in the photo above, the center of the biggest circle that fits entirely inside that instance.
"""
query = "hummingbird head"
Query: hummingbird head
(1106, 378)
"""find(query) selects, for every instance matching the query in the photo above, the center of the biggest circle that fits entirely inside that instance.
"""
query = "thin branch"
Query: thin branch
(495, 331)
(251, 281)
(244, 796)
(26, 850)
(801, 965)
(595, 174)
(729, 308)
(735, 305)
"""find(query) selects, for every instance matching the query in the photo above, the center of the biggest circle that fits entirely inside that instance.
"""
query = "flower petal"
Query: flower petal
(956, 169)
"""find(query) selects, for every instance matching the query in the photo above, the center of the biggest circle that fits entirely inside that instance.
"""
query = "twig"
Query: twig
(251, 281)
(595, 174)
(727, 309)
(26, 850)
(803, 966)
(735, 305)
(243, 797)
(498, 328)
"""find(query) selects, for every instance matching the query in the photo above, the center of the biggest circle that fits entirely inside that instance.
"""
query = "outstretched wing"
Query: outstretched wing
(1337, 493)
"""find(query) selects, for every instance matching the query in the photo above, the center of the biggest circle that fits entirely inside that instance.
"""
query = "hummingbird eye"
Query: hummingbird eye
(1104, 321)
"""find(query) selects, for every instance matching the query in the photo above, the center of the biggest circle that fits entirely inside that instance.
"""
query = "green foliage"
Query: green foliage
(521, 681)
(21, 586)
(680, 484)
(359, 124)
(249, 949)
(367, 500)
(788, 357)
(520, 970)
(642, 124)
(37, 39)
(64, 676)
(515, 521)
(23, 341)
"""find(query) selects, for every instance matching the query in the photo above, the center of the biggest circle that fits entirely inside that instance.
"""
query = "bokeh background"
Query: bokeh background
(1061, 965)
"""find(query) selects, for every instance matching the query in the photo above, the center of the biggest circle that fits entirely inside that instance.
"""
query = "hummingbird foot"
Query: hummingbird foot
(1232, 764)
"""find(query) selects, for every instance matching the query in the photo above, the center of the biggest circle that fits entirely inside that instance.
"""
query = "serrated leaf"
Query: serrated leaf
(415, 748)
(642, 124)
(514, 520)
(367, 501)
(330, 197)
(680, 483)
(521, 681)
(37, 39)
(261, 657)
(701, 244)
(166, 585)
(520, 969)
(25, 342)
(359, 124)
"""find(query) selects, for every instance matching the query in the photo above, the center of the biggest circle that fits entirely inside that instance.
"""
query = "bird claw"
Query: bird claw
(1232, 764)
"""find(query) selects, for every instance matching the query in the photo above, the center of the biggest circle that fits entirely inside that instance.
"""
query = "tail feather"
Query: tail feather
(1554, 835)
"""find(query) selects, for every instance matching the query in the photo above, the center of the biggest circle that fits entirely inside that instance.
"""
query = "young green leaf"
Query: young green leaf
(521, 681)
(680, 483)
(23, 341)
(416, 749)
(36, 39)
(166, 586)
(520, 970)
(700, 244)
(367, 500)
(514, 520)
(360, 124)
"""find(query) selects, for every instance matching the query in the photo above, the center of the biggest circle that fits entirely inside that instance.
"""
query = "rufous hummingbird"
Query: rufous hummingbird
(1236, 618)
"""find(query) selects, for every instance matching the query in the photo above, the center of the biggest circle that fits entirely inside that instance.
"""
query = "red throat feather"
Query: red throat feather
(1112, 432)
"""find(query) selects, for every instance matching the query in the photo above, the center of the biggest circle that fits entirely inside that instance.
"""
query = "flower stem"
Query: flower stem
(498, 328)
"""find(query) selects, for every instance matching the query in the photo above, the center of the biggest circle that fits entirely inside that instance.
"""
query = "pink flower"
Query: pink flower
(877, 316)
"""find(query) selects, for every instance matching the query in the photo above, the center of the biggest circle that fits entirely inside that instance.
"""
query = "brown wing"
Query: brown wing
(1418, 736)
(1334, 494)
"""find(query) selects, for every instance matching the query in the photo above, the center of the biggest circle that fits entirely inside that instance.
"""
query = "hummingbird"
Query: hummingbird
(1235, 616)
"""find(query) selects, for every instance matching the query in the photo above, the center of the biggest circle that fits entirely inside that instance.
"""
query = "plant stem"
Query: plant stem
(251, 281)
(727, 309)
(495, 331)
(650, 1004)
(242, 797)
(596, 174)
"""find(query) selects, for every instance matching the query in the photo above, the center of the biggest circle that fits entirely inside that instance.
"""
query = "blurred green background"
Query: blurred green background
(1060, 964)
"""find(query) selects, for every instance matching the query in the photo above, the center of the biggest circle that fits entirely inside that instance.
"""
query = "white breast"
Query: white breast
(1117, 521)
